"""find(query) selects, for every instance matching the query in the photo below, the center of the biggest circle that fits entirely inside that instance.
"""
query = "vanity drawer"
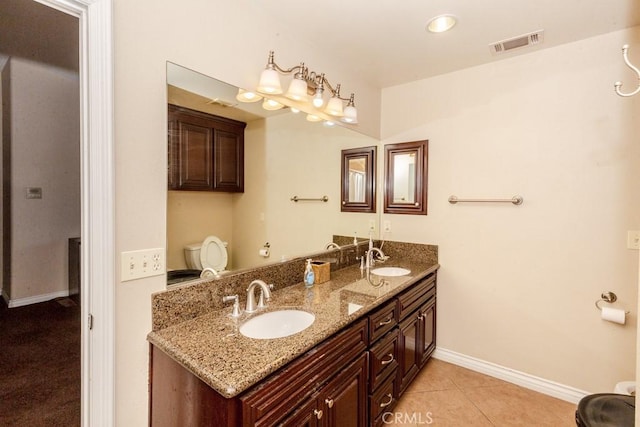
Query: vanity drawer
(411, 299)
(382, 321)
(289, 387)
(383, 359)
(383, 400)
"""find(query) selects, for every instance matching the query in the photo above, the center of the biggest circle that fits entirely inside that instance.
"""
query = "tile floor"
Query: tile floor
(448, 395)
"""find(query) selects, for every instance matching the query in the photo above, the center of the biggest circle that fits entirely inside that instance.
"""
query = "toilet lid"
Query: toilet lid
(213, 254)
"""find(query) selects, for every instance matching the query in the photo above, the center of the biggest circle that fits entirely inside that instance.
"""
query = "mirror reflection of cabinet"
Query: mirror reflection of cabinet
(206, 152)
(358, 183)
(406, 178)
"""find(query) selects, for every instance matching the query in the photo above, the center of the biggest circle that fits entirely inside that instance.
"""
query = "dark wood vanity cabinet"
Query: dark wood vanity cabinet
(417, 339)
(341, 403)
(206, 152)
(350, 379)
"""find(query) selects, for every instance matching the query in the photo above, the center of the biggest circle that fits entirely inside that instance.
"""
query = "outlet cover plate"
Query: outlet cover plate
(143, 263)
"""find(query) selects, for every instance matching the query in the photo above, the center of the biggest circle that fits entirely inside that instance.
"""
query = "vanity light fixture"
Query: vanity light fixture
(271, 105)
(306, 86)
(441, 23)
(247, 96)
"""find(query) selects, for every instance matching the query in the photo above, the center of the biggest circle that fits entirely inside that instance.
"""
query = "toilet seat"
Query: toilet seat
(213, 254)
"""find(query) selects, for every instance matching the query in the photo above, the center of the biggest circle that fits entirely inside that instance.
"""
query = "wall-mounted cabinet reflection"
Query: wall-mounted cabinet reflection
(359, 179)
(406, 177)
(206, 152)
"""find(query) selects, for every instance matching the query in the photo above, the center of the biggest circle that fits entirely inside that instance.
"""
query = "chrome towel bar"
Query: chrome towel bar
(516, 200)
(298, 199)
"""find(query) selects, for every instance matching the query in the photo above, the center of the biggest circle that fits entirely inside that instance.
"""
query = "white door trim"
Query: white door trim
(98, 207)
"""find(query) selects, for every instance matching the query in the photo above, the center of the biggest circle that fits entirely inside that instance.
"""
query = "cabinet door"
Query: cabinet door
(307, 415)
(194, 157)
(344, 398)
(409, 347)
(427, 317)
(229, 160)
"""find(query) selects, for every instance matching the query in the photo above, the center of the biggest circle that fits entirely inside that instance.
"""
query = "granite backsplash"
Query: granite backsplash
(193, 299)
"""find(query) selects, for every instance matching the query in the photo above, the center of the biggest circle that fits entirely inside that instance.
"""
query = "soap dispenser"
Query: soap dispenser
(309, 275)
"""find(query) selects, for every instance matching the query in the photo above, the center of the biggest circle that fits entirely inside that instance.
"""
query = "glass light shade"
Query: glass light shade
(297, 90)
(271, 105)
(441, 23)
(247, 96)
(270, 82)
(317, 99)
(313, 118)
(350, 114)
(334, 107)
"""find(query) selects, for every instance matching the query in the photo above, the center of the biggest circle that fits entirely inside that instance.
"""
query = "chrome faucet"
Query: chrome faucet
(369, 256)
(332, 245)
(265, 294)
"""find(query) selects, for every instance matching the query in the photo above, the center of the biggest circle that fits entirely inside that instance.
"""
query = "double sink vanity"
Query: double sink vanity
(340, 353)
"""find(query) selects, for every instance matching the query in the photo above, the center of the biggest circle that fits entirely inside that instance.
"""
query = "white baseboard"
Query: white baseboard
(19, 302)
(522, 379)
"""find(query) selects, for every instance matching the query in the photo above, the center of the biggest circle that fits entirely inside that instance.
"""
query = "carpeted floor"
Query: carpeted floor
(40, 364)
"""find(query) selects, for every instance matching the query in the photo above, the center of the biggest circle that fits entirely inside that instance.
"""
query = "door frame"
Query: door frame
(97, 283)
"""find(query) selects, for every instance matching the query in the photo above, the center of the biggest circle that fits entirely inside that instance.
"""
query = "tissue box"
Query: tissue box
(321, 271)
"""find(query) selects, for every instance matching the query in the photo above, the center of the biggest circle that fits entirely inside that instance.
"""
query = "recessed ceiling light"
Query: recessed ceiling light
(441, 23)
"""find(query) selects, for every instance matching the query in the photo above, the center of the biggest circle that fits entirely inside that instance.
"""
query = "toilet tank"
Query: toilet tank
(192, 256)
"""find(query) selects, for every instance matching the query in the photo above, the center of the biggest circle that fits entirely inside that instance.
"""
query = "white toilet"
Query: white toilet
(212, 253)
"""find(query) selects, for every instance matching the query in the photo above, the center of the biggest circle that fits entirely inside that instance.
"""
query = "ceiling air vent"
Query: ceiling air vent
(524, 40)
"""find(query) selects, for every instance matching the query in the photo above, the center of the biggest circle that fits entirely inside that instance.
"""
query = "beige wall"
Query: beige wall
(518, 284)
(45, 153)
(229, 40)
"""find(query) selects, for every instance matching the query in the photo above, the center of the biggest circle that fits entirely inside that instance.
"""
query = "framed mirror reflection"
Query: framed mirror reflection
(358, 179)
(406, 166)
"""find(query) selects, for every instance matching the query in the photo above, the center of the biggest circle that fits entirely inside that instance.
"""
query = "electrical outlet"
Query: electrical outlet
(633, 239)
(142, 263)
(387, 226)
(372, 225)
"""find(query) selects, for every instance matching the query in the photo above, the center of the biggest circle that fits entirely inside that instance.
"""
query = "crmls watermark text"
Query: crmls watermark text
(413, 418)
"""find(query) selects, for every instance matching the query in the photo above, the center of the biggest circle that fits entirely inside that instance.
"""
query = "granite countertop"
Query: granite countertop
(212, 348)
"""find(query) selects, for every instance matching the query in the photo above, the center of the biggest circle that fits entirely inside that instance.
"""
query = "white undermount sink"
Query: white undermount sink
(277, 324)
(390, 271)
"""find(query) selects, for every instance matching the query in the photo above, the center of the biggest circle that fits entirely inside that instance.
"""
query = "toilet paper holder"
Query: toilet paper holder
(608, 297)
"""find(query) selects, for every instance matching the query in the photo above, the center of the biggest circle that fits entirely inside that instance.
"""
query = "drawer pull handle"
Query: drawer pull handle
(385, 404)
(386, 362)
(385, 322)
(420, 317)
(329, 403)
(317, 413)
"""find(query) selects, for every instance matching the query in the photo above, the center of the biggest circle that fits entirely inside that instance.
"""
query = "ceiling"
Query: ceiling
(386, 42)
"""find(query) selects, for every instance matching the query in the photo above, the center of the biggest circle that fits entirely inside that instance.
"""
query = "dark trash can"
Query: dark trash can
(606, 410)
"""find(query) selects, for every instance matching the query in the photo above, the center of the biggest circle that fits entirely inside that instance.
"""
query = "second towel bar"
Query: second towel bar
(298, 199)
(516, 200)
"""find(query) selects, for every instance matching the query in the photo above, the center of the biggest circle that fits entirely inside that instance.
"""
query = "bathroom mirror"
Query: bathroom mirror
(358, 179)
(285, 156)
(405, 172)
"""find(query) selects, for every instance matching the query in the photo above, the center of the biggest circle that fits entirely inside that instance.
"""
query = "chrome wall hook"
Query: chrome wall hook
(618, 85)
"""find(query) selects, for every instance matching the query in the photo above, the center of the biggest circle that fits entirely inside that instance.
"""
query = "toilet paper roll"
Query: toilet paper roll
(615, 315)
(264, 252)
